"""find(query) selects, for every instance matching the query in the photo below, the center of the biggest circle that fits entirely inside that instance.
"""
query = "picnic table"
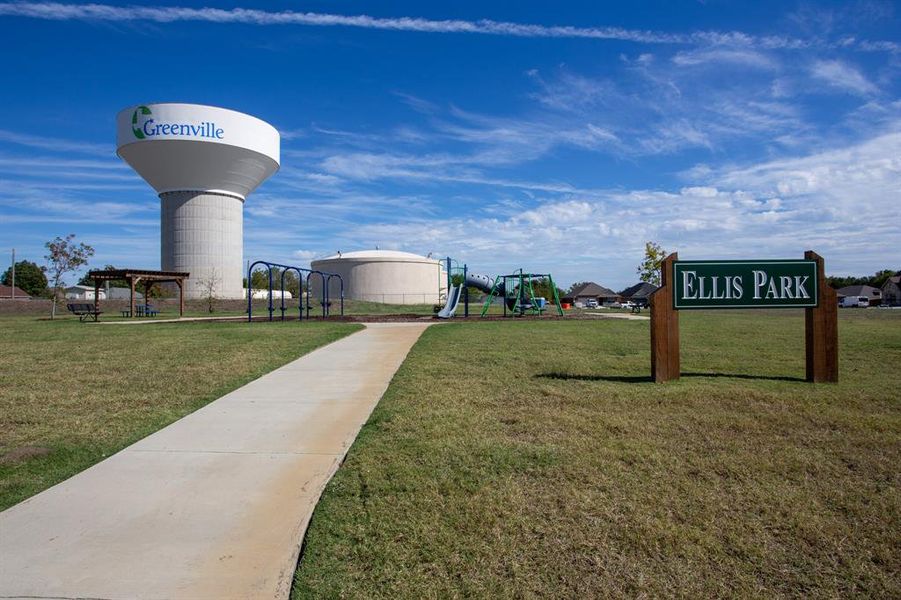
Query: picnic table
(141, 310)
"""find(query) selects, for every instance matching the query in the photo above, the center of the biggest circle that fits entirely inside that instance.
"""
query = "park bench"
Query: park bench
(84, 311)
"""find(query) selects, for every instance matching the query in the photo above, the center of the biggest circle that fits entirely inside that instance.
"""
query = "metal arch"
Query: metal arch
(328, 284)
(324, 292)
(250, 287)
(323, 300)
(300, 291)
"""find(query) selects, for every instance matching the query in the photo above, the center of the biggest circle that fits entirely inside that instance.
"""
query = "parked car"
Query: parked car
(591, 303)
(854, 302)
(628, 304)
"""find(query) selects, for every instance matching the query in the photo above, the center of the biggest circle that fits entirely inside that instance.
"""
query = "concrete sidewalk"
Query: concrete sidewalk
(216, 504)
(624, 316)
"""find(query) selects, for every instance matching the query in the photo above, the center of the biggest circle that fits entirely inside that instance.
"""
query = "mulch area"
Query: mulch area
(407, 318)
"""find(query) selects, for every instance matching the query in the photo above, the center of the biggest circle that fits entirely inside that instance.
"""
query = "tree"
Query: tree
(29, 278)
(876, 280)
(64, 256)
(259, 279)
(882, 276)
(208, 286)
(292, 283)
(649, 269)
(542, 288)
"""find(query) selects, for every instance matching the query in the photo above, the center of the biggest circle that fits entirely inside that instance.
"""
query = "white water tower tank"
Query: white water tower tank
(203, 161)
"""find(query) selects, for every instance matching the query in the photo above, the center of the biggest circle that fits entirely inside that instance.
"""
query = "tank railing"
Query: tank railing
(300, 271)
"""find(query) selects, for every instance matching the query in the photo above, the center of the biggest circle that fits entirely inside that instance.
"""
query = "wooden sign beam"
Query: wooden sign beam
(665, 365)
(821, 329)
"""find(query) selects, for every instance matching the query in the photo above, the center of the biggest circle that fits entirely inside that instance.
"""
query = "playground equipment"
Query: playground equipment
(519, 296)
(325, 278)
(516, 290)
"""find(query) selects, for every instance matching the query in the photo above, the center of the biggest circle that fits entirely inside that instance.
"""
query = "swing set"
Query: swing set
(518, 294)
(325, 279)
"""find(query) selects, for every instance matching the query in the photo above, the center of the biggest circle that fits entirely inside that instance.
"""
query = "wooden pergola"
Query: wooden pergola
(135, 276)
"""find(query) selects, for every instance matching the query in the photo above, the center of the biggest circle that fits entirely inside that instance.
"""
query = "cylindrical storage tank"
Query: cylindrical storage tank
(202, 234)
(385, 276)
(203, 161)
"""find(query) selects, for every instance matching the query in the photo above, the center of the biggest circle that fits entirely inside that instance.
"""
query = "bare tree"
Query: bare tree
(64, 256)
(209, 285)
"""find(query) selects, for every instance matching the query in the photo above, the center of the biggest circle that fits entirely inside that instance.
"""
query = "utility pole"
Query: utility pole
(12, 291)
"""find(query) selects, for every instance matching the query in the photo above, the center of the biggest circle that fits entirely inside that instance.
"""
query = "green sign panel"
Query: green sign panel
(744, 284)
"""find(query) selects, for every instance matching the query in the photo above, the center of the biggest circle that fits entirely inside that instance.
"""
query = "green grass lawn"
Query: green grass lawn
(73, 393)
(535, 459)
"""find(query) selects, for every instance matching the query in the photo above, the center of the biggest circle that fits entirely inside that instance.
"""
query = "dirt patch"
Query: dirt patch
(22, 454)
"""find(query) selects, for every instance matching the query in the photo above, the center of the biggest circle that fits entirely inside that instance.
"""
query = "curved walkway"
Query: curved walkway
(214, 505)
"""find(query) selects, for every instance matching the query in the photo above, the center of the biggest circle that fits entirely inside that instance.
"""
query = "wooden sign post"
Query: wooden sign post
(821, 329)
(688, 285)
(665, 326)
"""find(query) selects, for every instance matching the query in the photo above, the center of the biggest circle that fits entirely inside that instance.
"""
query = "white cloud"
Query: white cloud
(842, 203)
(55, 144)
(843, 76)
(725, 57)
(168, 14)
(655, 109)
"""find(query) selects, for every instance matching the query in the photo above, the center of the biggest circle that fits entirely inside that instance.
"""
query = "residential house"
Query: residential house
(891, 291)
(82, 292)
(874, 295)
(13, 293)
(588, 291)
(639, 293)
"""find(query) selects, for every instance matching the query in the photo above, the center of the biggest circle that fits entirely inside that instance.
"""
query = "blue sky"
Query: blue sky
(552, 136)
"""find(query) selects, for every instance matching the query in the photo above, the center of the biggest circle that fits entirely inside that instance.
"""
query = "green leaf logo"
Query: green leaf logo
(134, 121)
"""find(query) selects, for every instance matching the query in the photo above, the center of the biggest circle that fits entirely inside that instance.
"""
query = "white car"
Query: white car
(591, 303)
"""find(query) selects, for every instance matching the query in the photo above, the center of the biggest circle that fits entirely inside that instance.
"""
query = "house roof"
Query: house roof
(6, 291)
(639, 290)
(592, 290)
(859, 290)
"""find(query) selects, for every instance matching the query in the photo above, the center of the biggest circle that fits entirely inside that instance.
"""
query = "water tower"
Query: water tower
(203, 161)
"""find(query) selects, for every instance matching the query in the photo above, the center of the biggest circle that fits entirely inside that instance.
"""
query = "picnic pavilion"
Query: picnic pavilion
(134, 277)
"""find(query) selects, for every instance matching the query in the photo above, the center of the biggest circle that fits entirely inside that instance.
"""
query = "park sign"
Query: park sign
(690, 284)
(745, 284)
